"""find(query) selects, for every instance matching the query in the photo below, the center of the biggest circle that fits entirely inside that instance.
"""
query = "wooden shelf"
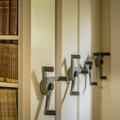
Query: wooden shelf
(9, 37)
(8, 85)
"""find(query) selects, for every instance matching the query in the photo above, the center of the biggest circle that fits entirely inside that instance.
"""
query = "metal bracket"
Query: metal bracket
(89, 66)
(99, 62)
(46, 87)
(73, 74)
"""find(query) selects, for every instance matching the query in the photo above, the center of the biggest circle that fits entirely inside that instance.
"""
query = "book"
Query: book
(0, 17)
(8, 104)
(5, 17)
(8, 62)
(3, 105)
(1, 63)
(8, 17)
(13, 16)
(1, 78)
(13, 64)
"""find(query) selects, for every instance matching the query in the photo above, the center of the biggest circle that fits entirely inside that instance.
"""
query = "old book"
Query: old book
(3, 105)
(8, 104)
(16, 62)
(0, 17)
(11, 102)
(13, 17)
(6, 62)
(5, 17)
(2, 63)
(13, 64)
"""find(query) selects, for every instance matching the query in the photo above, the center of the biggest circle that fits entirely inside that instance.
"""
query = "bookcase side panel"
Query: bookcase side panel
(24, 56)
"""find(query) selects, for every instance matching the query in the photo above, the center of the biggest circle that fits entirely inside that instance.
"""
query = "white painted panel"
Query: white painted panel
(90, 41)
(69, 46)
(43, 53)
(85, 49)
(106, 46)
(115, 59)
(96, 46)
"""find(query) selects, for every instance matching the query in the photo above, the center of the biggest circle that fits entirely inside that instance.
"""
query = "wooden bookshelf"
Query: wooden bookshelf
(8, 85)
(9, 37)
(24, 71)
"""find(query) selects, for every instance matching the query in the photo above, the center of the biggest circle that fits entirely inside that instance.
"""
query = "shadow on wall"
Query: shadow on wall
(40, 97)
(64, 64)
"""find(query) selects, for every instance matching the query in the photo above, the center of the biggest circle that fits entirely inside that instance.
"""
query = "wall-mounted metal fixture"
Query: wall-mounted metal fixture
(47, 83)
(99, 62)
(98, 56)
(88, 66)
(73, 73)
(47, 86)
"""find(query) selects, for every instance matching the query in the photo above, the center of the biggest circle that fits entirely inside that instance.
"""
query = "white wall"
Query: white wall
(85, 105)
(115, 60)
(69, 46)
(43, 52)
(90, 41)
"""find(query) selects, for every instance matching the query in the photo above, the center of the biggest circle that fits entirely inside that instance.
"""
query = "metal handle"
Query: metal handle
(75, 93)
(50, 112)
(93, 83)
(47, 111)
(62, 78)
(47, 69)
(101, 54)
(75, 56)
(72, 92)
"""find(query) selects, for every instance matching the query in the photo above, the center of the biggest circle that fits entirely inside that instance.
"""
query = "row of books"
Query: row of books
(8, 104)
(8, 61)
(8, 17)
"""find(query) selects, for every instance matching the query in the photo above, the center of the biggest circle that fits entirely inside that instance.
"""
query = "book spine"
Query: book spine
(4, 112)
(5, 17)
(13, 64)
(0, 17)
(13, 17)
(8, 102)
(2, 63)
(14, 107)
(16, 63)
(0, 105)
(6, 62)
(9, 79)
(11, 104)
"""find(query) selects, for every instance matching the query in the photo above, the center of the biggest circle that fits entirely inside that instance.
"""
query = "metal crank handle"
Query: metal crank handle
(47, 69)
(75, 56)
(47, 111)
